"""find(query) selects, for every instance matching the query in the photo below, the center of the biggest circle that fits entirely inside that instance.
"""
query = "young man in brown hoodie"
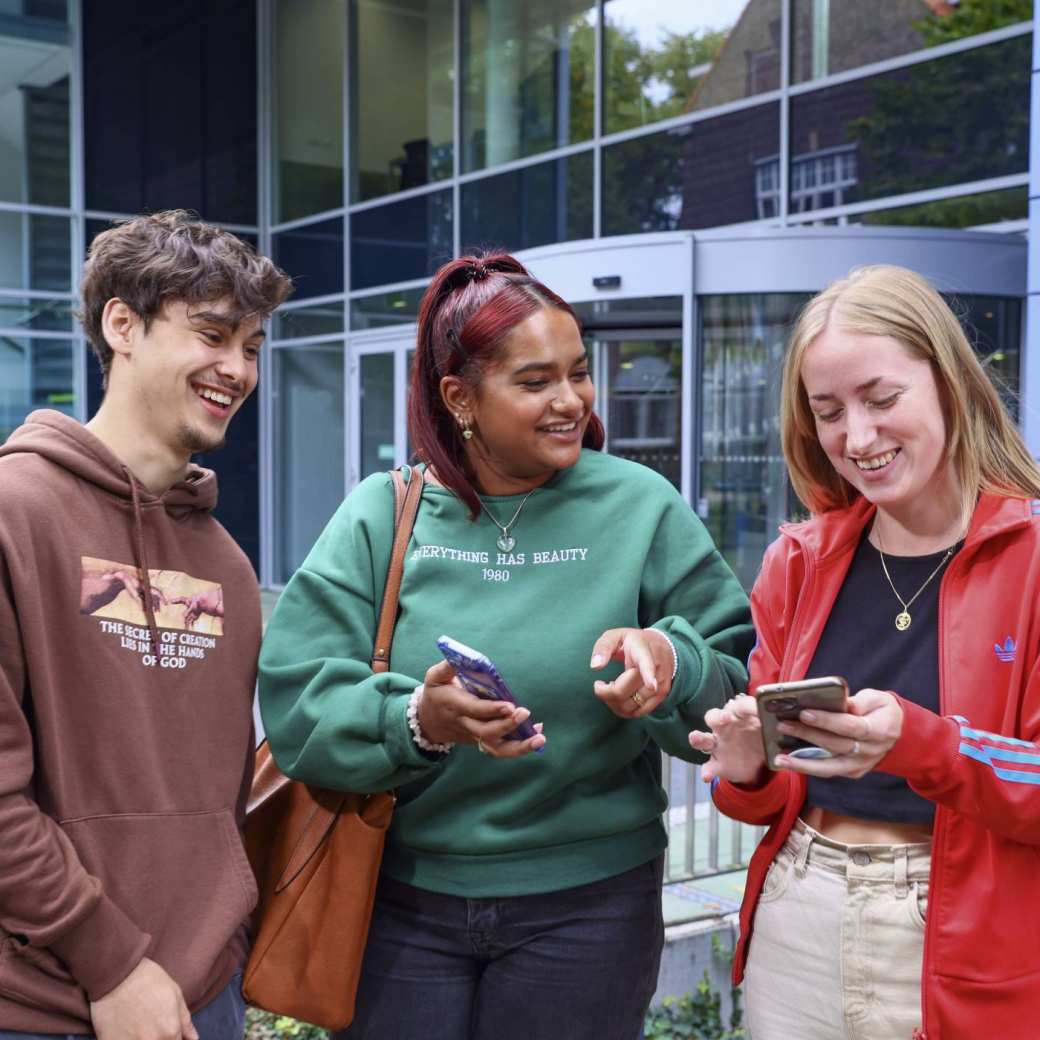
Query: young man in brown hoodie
(129, 631)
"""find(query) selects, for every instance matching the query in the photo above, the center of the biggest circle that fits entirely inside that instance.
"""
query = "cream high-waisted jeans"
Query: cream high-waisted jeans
(837, 941)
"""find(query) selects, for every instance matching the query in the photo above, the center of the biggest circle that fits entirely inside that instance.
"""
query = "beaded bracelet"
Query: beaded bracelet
(413, 724)
(675, 656)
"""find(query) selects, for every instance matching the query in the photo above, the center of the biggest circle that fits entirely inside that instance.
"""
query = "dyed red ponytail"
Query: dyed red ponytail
(470, 307)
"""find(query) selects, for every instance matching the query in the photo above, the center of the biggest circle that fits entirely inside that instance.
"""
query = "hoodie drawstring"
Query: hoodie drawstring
(141, 559)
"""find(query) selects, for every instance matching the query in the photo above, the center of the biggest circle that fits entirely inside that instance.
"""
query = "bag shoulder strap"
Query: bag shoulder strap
(406, 508)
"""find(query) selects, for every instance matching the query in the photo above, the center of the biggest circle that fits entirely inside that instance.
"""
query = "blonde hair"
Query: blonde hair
(986, 449)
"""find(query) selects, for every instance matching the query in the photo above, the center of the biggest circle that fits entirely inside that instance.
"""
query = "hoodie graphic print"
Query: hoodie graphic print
(129, 631)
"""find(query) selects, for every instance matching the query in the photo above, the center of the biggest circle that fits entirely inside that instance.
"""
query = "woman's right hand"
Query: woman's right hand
(734, 743)
(450, 714)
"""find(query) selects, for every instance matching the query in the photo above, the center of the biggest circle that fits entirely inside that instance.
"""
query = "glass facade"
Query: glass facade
(532, 206)
(307, 396)
(308, 122)
(402, 69)
(925, 126)
(662, 62)
(528, 75)
(832, 36)
(364, 142)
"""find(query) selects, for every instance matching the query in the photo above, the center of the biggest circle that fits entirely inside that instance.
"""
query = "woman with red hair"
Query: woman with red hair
(520, 893)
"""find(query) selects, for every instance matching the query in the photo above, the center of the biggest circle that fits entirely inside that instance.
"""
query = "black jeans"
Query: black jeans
(581, 963)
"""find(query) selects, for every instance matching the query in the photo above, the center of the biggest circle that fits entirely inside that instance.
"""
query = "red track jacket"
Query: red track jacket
(979, 761)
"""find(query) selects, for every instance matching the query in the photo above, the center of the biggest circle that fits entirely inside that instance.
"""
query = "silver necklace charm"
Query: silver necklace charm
(506, 542)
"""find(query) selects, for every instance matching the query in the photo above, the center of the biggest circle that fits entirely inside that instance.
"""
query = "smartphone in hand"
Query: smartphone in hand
(781, 702)
(478, 674)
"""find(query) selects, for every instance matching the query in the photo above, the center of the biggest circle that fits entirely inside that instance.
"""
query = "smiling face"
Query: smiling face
(879, 419)
(532, 406)
(188, 374)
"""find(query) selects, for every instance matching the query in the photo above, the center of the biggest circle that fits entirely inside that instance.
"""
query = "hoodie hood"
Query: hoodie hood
(70, 445)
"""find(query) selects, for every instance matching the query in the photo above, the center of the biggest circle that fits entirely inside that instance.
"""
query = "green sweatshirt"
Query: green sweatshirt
(605, 544)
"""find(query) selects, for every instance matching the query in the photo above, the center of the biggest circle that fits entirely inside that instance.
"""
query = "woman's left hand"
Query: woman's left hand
(647, 679)
(858, 738)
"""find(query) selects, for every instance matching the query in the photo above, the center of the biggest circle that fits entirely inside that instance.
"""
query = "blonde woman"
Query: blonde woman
(894, 894)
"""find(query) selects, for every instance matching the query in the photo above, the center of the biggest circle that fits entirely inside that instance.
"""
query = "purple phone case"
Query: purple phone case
(479, 675)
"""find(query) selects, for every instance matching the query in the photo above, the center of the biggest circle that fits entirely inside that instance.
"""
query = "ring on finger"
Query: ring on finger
(855, 748)
(637, 699)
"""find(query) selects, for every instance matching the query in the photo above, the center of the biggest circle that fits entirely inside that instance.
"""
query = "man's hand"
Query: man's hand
(211, 602)
(99, 589)
(146, 1005)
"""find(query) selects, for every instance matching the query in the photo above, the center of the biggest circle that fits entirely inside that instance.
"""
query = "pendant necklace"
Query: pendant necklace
(506, 542)
(903, 617)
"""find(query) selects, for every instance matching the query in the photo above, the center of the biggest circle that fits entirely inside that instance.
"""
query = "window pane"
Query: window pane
(377, 413)
(720, 171)
(829, 36)
(400, 241)
(169, 94)
(35, 252)
(529, 207)
(308, 442)
(401, 94)
(393, 308)
(308, 143)
(644, 388)
(319, 320)
(313, 256)
(24, 313)
(527, 77)
(989, 207)
(691, 56)
(947, 121)
(994, 328)
(34, 107)
(744, 493)
(34, 373)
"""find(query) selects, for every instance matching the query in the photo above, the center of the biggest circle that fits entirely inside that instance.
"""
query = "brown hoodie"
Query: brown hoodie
(123, 771)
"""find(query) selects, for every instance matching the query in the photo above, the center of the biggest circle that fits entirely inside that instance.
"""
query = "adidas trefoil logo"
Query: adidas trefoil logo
(1006, 653)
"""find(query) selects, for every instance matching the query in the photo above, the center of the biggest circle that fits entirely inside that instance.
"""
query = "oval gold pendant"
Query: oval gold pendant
(902, 621)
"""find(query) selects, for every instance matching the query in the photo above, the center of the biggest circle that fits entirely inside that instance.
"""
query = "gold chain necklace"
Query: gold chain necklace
(903, 617)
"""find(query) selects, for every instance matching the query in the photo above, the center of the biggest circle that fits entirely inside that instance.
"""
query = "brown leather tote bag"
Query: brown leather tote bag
(316, 855)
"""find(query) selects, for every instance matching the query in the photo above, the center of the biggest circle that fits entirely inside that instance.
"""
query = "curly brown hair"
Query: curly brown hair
(150, 260)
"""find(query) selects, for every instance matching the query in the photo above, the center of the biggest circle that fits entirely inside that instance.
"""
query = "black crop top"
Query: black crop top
(861, 642)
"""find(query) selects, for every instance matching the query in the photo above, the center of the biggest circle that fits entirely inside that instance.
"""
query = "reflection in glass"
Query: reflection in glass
(994, 328)
(313, 257)
(532, 206)
(644, 387)
(308, 142)
(26, 314)
(829, 36)
(400, 241)
(963, 211)
(706, 174)
(382, 309)
(35, 252)
(34, 105)
(377, 413)
(921, 127)
(401, 94)
(744, 492)
(308, 445)
(319, 320)
(689, 57)
(34, 373)
(527, 77)
(170, 108)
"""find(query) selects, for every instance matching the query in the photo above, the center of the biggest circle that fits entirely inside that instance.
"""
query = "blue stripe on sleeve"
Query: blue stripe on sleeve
(981, 734)
(986, 756)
